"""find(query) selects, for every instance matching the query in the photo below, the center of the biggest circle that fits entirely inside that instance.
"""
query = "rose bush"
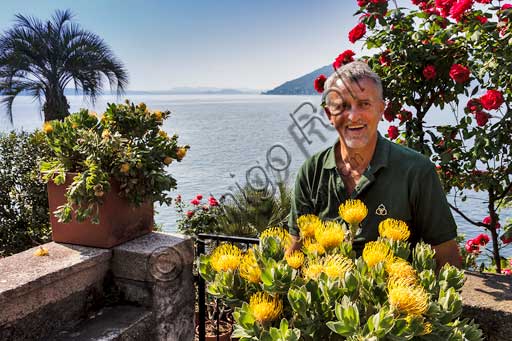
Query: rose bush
(323, 292)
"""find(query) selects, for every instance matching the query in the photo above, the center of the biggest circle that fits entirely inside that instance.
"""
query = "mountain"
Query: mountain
(302, 85)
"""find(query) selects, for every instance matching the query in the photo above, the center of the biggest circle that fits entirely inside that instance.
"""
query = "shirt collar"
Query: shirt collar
(380, 157)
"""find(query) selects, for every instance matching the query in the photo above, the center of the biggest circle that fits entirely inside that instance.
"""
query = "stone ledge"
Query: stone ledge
(30, 282)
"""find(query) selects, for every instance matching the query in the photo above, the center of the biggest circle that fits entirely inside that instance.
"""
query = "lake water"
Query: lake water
(238, 138)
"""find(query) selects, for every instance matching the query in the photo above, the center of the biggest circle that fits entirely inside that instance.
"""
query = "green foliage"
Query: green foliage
(43, 58)
(125, 148)
(24, 219)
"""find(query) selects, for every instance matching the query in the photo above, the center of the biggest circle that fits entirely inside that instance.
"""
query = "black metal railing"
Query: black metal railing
(213, 240)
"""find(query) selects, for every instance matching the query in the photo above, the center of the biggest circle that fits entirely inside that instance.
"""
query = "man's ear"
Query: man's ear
(381, 108)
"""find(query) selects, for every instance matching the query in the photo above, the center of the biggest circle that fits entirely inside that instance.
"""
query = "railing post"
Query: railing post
(201, 294)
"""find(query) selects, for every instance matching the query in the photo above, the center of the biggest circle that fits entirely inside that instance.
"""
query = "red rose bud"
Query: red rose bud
(319, 83)
(473, 105)
(481, 118)
(199, 197)
(384, 60)
(487, 221)
(190, 214)
(482, 19)
(472, 247)
(357, 32)
(492, 99)
(194, 202)
(459, 8)
(459, 73)
(506, 240)
(429, 72)
(482, 239)
(345, 57)
(212, 201)
(392, 132)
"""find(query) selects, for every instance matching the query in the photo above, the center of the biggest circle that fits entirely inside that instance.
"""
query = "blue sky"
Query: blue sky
(223, 43)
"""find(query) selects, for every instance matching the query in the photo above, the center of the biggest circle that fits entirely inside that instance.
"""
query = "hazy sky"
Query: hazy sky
(224, 43)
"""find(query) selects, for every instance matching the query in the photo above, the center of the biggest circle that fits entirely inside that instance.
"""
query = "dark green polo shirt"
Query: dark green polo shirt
(399, 183)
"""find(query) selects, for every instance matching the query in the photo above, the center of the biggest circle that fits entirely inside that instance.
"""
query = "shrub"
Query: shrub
(24, 219)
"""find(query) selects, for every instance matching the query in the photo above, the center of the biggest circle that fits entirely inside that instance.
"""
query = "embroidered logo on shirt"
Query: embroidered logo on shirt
(381, 210)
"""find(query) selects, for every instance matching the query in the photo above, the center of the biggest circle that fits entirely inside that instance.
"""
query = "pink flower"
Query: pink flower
(472, 247)
(459, 8)
(190, 214)
(357, 32)
(492, 99)
(429, 72)
(459, 73)
(213, 202)
(194, 202)
(178, 198)
(487, 221)
(507, 272)
(482, 239)
(199, 197)
(319, 83)
(392, 132)
(343, 58)
(481, 118)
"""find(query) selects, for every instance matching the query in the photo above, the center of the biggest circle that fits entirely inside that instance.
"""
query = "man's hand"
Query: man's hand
(295, 245)
(447, 252)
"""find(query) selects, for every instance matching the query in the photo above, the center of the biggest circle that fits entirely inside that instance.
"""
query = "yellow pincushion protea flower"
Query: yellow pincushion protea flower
(295, 259)
(47, 127)
(226, 257)
(394, 229)
(335, 266)
(353, 211)
(279, 233)
(404, 298)
(308, 224)
(158, 115)
(181, 152)
(265, 308)
(401, 269)
(313, 247)
(376, 252)
(163, 134)
(329, 235)
(313, 269)
(427, 328)
(249, 268)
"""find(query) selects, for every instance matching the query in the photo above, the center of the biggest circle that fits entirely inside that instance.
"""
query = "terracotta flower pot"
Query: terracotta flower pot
(120, 221)
(225, 330)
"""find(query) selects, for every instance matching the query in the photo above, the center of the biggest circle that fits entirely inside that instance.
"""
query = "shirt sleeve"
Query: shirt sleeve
(432, 217)
(301, 202)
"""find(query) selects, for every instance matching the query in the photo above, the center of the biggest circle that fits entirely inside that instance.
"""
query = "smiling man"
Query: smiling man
(393, 181)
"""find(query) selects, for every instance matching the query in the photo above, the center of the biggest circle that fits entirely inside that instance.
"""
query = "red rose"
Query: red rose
(190, 214)
(362, 3)
(506, 6)
(459, 73)
(459, 8)
(378, 1)
(487, 221)
(472, 247)
(212, 201)
(444, 6)
(199, 197)
(481, 118)
(389, 111)
(194, 202)
(404, 115)
(357, 32)
(343, 58)
(492, 99)
(484, 1)
(506, 240)
(392, 132)
(429, 72)
(480, 18)
(319, 83)
(473, 105)
(482, 239)
(178, 198)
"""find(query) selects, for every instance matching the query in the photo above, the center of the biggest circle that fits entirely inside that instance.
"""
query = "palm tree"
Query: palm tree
(42, 58)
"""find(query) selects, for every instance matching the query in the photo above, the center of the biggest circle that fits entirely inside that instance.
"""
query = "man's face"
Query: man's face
(355, 109)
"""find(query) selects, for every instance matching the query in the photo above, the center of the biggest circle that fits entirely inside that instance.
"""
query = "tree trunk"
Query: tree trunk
(56, 106)
(494, 232)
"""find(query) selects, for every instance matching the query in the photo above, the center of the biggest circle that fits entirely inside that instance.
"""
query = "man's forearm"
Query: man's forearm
(447, 252)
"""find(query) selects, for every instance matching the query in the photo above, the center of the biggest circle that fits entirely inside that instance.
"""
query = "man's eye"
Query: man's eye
(365, 104)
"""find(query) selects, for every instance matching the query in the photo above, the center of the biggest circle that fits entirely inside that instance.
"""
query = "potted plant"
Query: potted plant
(104, 174)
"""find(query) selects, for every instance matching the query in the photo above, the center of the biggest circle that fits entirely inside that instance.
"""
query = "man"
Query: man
(393, 181)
